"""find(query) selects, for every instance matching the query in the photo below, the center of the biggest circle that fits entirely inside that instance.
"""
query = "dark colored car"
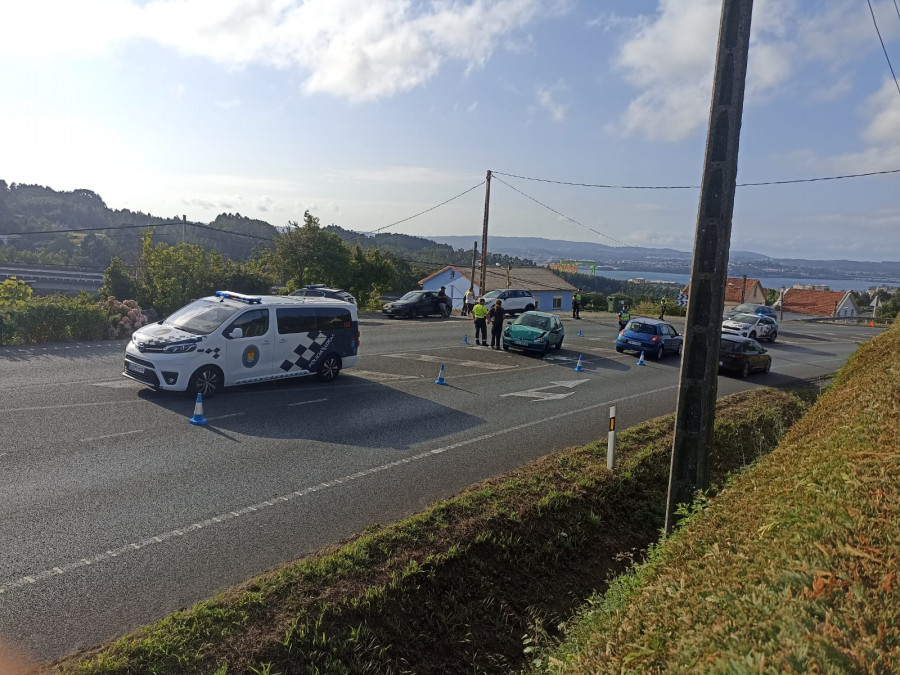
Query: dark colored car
(534, 332)
(322, 291)
(742, 355)
(752, 308)
(653, 336)
(413, 304)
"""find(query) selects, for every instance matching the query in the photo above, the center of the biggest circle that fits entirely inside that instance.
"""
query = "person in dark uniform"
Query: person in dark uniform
(443, 302)
(496, 317)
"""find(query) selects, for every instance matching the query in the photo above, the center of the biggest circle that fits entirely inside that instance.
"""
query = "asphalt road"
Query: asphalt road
(114, 511)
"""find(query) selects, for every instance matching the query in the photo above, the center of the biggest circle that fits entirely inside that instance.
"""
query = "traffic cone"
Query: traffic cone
(465, 339)
(578, 367)
(641, 360)
(441, 379)
(871, 324)
(198, 418)
(580, 334)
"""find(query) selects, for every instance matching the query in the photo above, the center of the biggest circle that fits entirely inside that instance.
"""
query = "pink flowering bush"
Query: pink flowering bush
(124, 317)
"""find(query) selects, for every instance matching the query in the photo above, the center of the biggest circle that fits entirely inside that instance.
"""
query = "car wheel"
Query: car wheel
(660, 352)
(559, 345)
(745, 369)
(206, 380)
(774, 335)
(620, 349)
(529, 308)
(752, 335)
(678, 351)
(768, 366)
(329, 369)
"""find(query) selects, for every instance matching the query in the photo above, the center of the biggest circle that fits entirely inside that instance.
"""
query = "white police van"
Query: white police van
(231, 339)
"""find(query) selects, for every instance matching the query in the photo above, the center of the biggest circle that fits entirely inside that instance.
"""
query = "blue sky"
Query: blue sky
(369, 111)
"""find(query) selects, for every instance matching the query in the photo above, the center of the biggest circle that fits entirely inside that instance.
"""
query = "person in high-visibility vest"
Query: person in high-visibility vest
(576, 304)
(624, 317)
(480, 312)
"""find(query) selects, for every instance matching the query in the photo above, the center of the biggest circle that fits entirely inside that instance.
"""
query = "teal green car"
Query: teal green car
(534, 332)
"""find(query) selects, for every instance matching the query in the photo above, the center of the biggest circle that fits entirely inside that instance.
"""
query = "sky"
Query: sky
(367, 112)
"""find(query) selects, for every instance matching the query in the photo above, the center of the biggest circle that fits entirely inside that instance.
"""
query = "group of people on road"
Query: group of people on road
(482, 315)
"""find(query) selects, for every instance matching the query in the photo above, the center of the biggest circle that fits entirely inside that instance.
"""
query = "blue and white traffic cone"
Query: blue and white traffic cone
(198, 418)
(465, 339)
(641, 360)
(580, 334)
(441, 379)
(578, 367)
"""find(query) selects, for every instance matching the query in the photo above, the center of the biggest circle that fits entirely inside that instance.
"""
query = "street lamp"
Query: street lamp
(781, 305)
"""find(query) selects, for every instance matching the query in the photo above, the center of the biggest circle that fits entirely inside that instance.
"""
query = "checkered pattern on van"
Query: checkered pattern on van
(308, 350)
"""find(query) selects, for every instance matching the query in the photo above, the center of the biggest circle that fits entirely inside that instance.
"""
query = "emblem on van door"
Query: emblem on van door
(250, 357)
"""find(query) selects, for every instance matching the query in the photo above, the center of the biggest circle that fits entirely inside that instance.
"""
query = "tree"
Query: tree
(307, 254)
(371, 274)
(14, 292)
(118, 282)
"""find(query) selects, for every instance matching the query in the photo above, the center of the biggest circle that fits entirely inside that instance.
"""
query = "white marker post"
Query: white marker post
(611, 443)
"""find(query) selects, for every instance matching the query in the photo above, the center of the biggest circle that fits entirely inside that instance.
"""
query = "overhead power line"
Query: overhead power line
(549, 208)
(426, 210)
(697, 187)
(881, 40)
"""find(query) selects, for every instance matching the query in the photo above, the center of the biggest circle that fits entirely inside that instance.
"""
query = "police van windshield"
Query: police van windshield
(201, 317)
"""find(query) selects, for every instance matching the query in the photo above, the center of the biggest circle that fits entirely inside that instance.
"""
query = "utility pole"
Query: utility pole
(695, 413)
(743, 289)
(183, 228)
(507, 276)
(487, 209)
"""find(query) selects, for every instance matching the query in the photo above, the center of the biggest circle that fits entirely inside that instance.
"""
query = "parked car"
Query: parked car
(413, 304)
(653, 336)
(513, 300)
(742, 355)
(752, 308)
(753, 326)
(229, 339)
(322, 291)
(534, 332)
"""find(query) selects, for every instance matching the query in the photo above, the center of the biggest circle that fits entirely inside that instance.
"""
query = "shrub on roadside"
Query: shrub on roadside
(52, 319)
(125, 316)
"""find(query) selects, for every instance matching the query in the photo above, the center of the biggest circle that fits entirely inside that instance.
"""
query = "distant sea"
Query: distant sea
(768, 282)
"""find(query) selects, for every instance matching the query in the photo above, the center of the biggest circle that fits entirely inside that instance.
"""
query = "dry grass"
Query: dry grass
(793, 568)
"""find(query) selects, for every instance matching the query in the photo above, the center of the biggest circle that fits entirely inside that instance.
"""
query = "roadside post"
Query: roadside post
(611, 439)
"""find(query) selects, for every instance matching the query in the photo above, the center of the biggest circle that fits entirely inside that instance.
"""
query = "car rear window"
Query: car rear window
(730, 347)
(642, 328)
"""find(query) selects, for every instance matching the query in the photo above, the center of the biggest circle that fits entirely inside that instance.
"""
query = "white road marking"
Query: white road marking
(380, 377)
(456, 362)
(118, 384)
(260, 506)
(222, 417)
(540, 393)
(316, 400)
(68, 405)
(122, 433)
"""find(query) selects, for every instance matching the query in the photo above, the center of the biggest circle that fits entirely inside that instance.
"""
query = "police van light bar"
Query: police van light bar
(249, 299)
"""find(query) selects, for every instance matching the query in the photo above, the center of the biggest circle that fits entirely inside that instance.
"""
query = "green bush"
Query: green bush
(52, 319)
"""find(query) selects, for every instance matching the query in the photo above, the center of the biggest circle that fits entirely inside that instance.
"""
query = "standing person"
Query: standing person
(480, 313)
(496, 316)
(470, 300)
(624, 317)
(662, 308)
(467, 302)
(443, 302)
(576, 304)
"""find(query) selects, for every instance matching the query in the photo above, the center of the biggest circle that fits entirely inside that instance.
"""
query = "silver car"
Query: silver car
(751, 326)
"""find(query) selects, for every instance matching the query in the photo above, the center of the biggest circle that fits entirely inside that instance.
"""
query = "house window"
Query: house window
(557, 302)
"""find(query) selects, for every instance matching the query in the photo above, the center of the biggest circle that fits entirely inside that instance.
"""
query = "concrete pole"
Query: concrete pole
(487, 209)
(695, 413)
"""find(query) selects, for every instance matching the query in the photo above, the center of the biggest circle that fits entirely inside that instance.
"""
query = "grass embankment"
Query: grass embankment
(455, 588)
(793, 568)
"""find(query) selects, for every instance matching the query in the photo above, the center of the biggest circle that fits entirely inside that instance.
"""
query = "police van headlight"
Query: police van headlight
(179, 349)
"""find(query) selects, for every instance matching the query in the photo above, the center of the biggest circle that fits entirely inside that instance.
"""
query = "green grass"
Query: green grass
(476, 583)
(792, 568)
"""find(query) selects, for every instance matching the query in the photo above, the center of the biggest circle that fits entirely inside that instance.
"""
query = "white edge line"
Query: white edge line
(123, 433)
(318, 400)
(58, 570)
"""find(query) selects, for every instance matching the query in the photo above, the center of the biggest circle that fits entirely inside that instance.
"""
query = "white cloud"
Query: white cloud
(399, 175)
(548, 95)
(884, 108)
(360, 51)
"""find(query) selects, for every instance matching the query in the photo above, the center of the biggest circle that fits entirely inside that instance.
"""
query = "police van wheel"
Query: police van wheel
(329, 369)
(206, 380)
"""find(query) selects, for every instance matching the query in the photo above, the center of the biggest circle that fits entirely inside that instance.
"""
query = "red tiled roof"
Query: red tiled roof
(734, 288)
(813, 303)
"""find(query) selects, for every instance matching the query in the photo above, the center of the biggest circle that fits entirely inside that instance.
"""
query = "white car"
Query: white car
(231, 339)
(751, 326)
(513, 300)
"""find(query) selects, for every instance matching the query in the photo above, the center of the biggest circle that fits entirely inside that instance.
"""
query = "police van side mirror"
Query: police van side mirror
(236, 333)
